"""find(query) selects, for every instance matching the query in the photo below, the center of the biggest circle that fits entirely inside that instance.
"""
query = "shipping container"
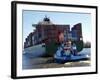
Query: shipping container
(48, 33)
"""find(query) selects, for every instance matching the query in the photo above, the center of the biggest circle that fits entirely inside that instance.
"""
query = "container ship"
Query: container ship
(46, 35)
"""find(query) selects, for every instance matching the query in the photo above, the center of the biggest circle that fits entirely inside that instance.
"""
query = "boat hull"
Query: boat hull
(71, 58)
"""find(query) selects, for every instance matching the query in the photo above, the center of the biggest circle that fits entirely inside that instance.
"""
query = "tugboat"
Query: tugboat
(67, 52)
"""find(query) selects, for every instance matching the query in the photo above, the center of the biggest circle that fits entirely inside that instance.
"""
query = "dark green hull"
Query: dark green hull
(79, 45)
(51, 48)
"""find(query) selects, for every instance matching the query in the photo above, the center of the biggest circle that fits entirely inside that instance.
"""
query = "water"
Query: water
(32, 62)
(86, 51)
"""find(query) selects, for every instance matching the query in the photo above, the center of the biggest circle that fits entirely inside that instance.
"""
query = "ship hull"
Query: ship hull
(36, 50)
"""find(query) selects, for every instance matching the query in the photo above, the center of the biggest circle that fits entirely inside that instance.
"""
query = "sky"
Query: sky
(33, 17)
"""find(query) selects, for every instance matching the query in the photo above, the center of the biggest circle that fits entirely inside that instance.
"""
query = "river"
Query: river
(30, 61)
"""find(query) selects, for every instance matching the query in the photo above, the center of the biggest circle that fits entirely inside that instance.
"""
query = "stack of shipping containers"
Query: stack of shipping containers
(77, 32)
(47, 33)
